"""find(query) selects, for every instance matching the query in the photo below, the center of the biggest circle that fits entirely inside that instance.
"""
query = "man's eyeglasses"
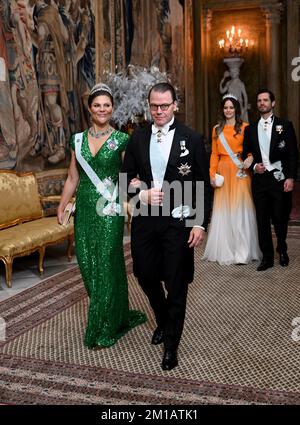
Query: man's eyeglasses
(163, 107)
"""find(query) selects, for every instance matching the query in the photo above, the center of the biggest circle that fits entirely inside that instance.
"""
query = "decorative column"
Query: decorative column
(189, 64)
(293, 59)
(207, 18)
(273, 41)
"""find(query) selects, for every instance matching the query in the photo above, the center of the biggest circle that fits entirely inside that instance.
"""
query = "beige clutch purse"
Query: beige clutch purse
(68, 212)
(219, 179)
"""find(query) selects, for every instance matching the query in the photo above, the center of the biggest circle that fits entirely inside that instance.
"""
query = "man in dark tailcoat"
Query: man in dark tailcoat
(272, 142)
(163, 154)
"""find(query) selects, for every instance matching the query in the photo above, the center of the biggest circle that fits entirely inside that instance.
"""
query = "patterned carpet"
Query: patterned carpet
(239, 344)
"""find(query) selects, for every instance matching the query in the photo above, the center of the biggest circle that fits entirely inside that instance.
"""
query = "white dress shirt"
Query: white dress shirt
(164, 144)
(267, 125)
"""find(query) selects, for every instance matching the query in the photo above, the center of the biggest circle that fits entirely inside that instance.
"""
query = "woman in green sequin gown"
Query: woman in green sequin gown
(98, 237)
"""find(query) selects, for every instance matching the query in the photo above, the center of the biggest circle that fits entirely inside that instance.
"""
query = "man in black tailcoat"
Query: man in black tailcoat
(272, 142)
(163, 154)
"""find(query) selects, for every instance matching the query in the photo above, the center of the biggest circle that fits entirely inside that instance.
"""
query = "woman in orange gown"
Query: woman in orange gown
(232, 236)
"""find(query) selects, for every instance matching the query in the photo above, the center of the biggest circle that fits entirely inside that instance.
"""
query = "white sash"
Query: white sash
(263, 143)
(241, 173)
(112, 207)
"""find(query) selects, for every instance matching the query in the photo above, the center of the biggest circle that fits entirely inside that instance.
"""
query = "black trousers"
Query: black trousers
(160, 254)
(272, 206)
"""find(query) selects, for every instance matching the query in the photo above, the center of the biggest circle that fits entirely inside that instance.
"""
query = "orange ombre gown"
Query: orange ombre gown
(232, 236)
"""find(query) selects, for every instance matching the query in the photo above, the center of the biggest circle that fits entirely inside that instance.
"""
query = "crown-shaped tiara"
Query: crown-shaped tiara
(229, 95)
(100, 87)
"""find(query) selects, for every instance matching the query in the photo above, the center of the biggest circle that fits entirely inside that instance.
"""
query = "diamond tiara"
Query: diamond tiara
(229, 95)
(100, 87)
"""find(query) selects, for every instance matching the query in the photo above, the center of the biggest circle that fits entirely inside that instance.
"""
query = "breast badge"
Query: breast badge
(184, 169)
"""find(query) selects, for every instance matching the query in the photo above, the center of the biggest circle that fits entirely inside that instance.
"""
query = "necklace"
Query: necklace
(97, 133)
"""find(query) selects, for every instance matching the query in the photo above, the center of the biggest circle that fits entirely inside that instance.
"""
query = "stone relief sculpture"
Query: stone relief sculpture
(231, 83)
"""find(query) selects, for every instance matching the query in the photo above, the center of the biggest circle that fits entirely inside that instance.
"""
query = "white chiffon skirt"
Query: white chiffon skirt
(232, 234)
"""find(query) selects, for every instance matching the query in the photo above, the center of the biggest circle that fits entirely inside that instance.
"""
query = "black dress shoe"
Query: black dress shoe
(158, 336)
(264, 265)
(284, 259)
(169, 360)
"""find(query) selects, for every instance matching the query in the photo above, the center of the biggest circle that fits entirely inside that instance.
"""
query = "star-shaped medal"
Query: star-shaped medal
(184, 169)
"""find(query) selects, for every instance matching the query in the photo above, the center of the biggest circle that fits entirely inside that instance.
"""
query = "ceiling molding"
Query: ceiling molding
(238, 4)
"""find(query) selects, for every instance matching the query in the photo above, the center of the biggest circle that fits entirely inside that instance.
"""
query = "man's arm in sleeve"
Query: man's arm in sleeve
(129, 167)
(201, 165)
(247, 147)
(292, 152)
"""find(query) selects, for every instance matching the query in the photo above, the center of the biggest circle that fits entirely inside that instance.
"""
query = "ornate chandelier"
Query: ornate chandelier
(234, 44)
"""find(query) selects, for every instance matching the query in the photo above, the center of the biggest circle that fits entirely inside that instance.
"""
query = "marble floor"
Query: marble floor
(25, 269)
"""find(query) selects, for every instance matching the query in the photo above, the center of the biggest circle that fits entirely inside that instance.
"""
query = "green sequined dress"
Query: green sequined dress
(99, 249)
